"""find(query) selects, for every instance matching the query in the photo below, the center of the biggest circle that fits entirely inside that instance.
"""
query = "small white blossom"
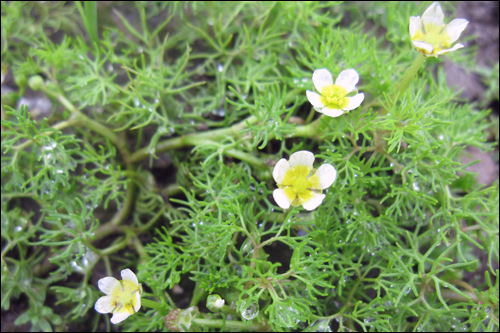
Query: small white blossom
(123, 298)
(429, 34)
(299, 183)
(335, 99)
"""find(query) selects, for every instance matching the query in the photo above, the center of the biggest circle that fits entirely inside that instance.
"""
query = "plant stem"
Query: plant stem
(231, 325)
(150, 304)
(403, 84)
(410, 74)
(59, 126)
(314, 129)
(196, 139)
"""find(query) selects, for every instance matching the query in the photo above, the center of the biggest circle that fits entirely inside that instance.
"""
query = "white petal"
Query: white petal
(280, 169)
(327, 175)
(348, 79)
(415, 25)
(119, 317)
(127, 274)
(421, 45)
(107, 284)
(103, 304)
(433, 14)
(138, 302)
(281, 199)
(455, 47)
(455, 28)
(314, 99)
(332, 112)
(322, 77)
(320, 110)
(302, 157)
(316, 200)
(355, 101)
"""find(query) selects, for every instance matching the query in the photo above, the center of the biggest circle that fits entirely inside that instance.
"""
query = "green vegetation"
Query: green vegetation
(156, 152)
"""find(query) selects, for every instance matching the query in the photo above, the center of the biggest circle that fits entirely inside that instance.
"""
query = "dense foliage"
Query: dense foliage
(146, 139)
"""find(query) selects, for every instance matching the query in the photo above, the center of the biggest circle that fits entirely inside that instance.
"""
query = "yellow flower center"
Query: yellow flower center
(123, 297)
(299, 184)
(433, 35)
(333, 97)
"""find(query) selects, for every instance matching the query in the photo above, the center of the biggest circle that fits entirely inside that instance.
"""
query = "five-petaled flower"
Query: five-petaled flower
(431, 36)
(123, 297)
(335, 99)
(299, 183)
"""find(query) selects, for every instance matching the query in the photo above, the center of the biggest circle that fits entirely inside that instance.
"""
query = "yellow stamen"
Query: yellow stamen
(433, 35)
(333, 97)
(299, 184)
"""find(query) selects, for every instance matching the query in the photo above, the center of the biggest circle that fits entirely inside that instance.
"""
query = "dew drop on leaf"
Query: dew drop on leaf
(250, 311)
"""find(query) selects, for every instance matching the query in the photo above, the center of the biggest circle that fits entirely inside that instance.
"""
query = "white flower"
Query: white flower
(123, 297)
(335, 99)
(431, 36)
(299, 183)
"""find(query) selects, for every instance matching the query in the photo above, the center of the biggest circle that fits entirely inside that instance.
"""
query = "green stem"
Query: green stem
(111, 226)
(150, 304)
(408, 77)
(116, 247)
(198, 295)
(59, 126)
(196, 139)
(314, 129)
(82, 119)
(230, 325)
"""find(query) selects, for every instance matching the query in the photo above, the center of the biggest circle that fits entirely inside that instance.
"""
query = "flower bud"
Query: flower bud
(36, 82)
(215, 303)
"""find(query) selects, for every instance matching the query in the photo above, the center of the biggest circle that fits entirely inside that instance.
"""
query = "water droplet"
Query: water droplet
(321, 326)
(219, 112)
(415, 186)
(220, 67)
(51, 144)
(76, 267)
(249, 311)
(368, 320)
